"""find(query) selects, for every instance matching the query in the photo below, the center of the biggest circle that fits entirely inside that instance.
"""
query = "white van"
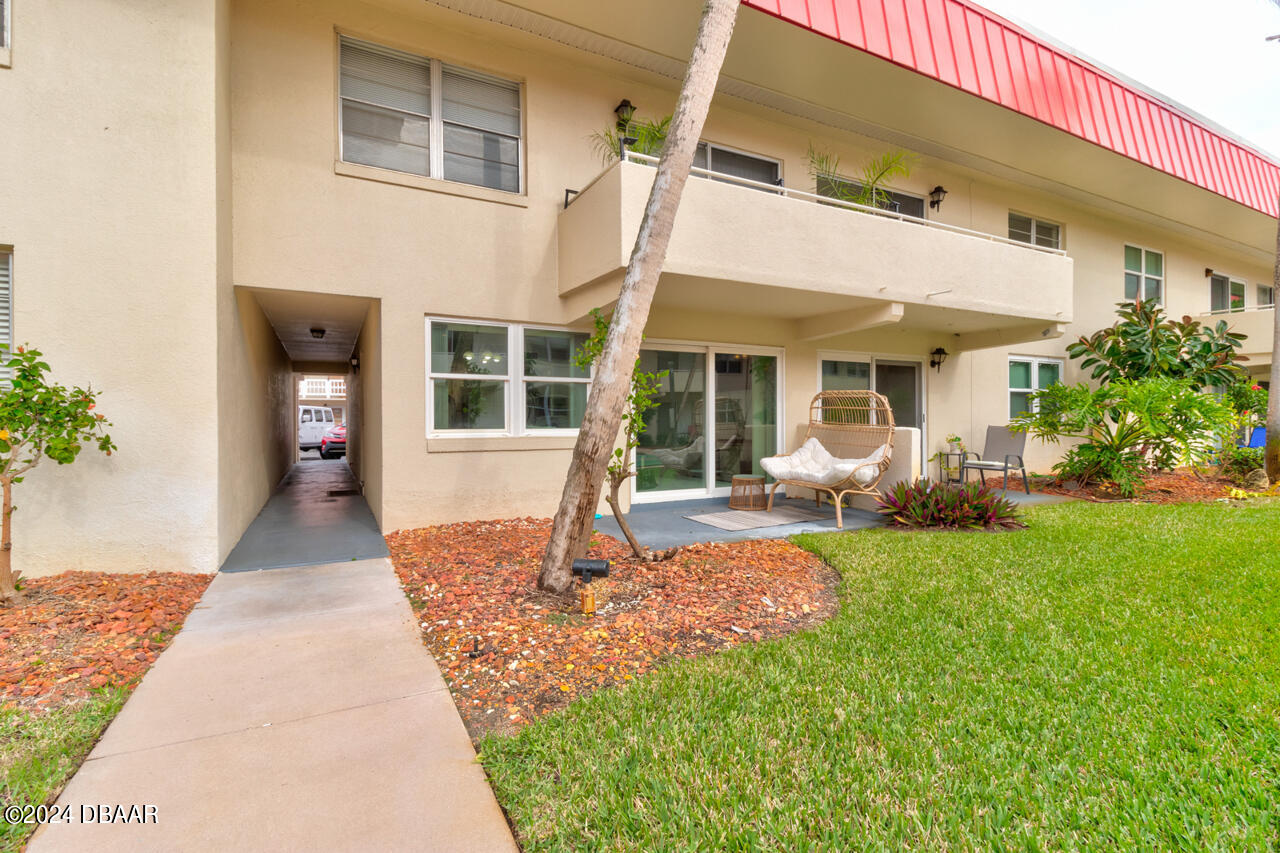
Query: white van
(313, 423)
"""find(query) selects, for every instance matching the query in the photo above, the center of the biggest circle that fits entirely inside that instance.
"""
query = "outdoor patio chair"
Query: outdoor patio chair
(1001, 454)
(847, 448)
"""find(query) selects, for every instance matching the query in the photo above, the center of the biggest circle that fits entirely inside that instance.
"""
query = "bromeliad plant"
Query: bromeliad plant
(1126, 426)
(1144, 343)
(643, 388)
(39, 419)
(972, 506)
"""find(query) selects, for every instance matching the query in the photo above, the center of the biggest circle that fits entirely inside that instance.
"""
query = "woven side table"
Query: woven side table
(747, 492)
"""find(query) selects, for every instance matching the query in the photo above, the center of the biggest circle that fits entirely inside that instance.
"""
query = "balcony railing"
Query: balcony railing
(787, 192)
(322, 389)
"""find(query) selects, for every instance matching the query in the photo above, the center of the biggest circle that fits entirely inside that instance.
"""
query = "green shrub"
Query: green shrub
(1238, 461)
(928, 504)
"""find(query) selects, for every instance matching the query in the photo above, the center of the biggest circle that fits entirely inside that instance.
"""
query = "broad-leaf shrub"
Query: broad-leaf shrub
(929, 504)
(1144, 343)
(1127, 425)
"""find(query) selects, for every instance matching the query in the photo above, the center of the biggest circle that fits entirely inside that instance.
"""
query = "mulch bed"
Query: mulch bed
(511, 653)
(83, 630)
(1164, 487)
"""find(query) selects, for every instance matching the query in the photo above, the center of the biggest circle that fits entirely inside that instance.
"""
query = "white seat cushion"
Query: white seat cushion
(812, 463)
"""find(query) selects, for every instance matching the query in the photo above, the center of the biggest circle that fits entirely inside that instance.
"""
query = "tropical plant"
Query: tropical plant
(1144, 343)
(607, 402)
(928, 504)
(643, 388)
(1127, 425)
(38, 420)
(868, 190)
(1237, 462)
(649, 136)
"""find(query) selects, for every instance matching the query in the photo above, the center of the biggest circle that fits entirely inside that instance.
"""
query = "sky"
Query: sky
(1209, 55)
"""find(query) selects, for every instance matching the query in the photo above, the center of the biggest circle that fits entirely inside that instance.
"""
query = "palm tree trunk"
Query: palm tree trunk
(1271, 455)
(571, 528)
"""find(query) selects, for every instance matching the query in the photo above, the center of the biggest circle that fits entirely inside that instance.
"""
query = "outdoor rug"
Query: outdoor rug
(744, 519)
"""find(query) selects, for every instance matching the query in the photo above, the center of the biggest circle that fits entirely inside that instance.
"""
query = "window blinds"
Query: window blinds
(6, 311)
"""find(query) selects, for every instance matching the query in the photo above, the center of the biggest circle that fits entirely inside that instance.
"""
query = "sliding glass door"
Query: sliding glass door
(706, 427)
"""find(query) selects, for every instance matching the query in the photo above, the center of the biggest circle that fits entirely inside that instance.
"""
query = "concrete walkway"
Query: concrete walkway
(316, 515)
(297, 710)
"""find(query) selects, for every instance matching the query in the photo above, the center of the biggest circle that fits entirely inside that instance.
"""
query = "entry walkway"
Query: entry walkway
(316, 515)
(297, 710)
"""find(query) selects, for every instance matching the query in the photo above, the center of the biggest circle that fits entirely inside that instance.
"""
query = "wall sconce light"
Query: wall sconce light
(317, 333)
(355, 364)
(1208, 272)
(938, 357)
(624, 111)
(936, 195)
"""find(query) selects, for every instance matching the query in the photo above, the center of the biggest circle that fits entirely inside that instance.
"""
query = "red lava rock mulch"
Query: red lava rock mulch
(537, 652)
(82, 630)
(1163, 487)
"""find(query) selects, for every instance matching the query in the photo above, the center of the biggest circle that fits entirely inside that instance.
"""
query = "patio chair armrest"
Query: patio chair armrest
(964, 456)
(1009, 456)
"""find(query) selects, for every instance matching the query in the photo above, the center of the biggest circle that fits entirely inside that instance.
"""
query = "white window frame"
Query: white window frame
(1143, 275)
(6, 260)
(871, 358)
(435, 121)
(1231, 280)
(6, 34)
(514, 382)
(1271, 299)
(1035, 361)
(1036, 222)
(741, 153)
(709, 350)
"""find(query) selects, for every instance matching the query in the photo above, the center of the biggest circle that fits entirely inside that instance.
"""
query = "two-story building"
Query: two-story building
(193, 187)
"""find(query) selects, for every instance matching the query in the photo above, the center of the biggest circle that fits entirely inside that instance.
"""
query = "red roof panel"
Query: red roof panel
(969, 48)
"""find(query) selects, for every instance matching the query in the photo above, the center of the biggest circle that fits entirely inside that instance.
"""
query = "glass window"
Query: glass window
(1266, 295)
(328, 416)
(306, 416)
(726, 162)
(1144, 274)
(1225, 294)
(908, 205)
(846, 375)
(1022, 372)
(6, 311)
(1025, 229)
(390, 113)
(475, 385)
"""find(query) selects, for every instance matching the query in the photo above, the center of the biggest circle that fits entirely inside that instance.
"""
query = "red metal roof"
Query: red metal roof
(979, 52)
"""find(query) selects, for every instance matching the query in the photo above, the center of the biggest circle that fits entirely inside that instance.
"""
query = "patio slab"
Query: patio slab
(664, 525)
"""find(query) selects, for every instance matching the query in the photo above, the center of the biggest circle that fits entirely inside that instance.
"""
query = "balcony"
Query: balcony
(322, 389)
(1255, 323)
(831, 266)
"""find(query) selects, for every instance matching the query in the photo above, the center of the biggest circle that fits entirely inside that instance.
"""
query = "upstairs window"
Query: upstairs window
(713, 158)
(1143, 274)
(1266, 296)
(411, 114)
(1225, 294)
(5, 29)
(908, 205)
(1037, 232)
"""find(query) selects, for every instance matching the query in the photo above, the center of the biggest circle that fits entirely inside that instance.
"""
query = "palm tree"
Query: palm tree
(1271, 455)
(571, 528)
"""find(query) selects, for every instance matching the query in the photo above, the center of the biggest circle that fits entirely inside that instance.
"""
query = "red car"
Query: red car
(334, 442)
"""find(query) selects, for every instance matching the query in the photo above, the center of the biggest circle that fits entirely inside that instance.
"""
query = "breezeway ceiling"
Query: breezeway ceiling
(293, 314)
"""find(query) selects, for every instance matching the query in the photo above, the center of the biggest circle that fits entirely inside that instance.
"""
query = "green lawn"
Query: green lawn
(1108, 678)
(39, 752)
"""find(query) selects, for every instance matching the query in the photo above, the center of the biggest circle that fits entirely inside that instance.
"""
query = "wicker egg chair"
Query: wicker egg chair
(850, 425)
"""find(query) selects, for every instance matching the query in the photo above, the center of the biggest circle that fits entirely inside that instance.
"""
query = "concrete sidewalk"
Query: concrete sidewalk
(296, 710)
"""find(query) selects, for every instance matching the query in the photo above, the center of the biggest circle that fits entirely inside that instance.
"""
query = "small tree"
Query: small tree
(39, 419)
(1143, 343)
(643, 388)
(1127, 425)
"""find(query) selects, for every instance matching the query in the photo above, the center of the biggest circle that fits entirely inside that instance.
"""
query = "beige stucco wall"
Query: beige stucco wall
(110, 200)
(256, 436)
(425, 248)
(367, 401)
